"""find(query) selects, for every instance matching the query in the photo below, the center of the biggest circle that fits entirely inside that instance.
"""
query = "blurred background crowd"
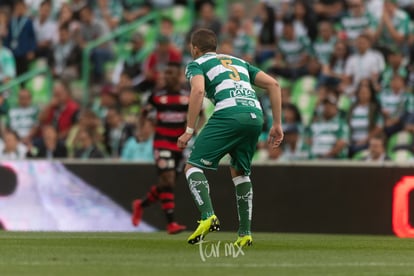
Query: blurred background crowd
(76, 74)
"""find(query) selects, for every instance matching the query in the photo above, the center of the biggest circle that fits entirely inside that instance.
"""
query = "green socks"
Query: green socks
(244, 196)
(200, 191)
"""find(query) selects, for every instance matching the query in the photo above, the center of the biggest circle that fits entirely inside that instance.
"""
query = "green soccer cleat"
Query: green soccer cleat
(244, 241)
(210, 224)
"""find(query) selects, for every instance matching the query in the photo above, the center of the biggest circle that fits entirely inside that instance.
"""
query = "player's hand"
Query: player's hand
(183, 140)
(275, 136)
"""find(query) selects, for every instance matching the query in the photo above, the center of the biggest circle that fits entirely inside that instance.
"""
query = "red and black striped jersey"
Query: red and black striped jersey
(171, 117)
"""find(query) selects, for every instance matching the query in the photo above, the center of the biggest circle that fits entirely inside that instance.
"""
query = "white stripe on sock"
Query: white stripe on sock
(192, 170)
(241, 179)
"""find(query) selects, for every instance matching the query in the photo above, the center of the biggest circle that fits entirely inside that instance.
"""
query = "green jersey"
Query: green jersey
(22, 119)
(401, 22)
(323, 49)
(227, 82)
(325, 133)
(359, 122)
(353, 26)
(395, 103)
(7, 64)
(293, 50)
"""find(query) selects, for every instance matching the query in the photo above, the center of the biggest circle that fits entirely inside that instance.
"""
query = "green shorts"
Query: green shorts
(236, 135)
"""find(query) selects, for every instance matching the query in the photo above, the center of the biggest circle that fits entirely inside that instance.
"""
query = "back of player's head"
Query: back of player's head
(205, 40)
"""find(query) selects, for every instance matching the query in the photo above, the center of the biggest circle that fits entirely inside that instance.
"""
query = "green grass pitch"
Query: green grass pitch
(35, 253)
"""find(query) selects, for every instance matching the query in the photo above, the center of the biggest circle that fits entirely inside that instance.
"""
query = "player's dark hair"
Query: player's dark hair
(205, 40)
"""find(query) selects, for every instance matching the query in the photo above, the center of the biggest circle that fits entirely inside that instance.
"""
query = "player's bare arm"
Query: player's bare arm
(272, 87)
(194, 109)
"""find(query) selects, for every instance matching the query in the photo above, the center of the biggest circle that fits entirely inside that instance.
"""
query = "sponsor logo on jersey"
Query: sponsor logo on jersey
(206, 162)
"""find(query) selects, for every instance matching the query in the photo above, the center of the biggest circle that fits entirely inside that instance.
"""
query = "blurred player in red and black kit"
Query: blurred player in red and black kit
(169, 107)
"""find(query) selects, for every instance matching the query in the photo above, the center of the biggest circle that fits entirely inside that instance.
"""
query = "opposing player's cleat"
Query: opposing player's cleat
(244, 241)
(137, 211)
(175, 228)
(210, 224)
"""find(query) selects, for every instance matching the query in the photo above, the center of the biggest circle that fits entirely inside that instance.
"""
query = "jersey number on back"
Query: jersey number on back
(234, 75)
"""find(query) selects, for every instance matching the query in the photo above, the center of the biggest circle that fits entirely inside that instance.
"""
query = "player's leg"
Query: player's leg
(244, 198)
(249, 130)
(138, 205)
(200, 191)
(217, 138)
(153, 194)
(167, 198)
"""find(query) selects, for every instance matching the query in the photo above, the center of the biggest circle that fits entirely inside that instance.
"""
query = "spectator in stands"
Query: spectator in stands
(65, 59)
(328, 133)
(266, 38)
(117, 132)
(45, 30)
(364, 117)
(88, 148)
(292, 122)
(329, 9)
(376, 149)
(243, 45)
(356, 21)
(207, 17)
(62, 110)
(304, 21)
(226, 47)
(396, 65)
(107, 99)
(324, 44)
(293, 52)
(21, 38)
(66, 18)
(167, 29)
(10, 146)
(158, 60)
(393, 27)
(394, 102)
(4, 24)
(7, 64)
(140, 146)
(133, 10)
(366, 63)
(129, 105)
(76, 6)
(110, 11)
(48, 145)
(23, 118)
(132, 64)
(333, 73)
(89, 121)
(92, 29)
(238, 11)
(293, 147)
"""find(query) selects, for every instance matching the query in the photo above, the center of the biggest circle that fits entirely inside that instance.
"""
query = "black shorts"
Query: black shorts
(167, 160)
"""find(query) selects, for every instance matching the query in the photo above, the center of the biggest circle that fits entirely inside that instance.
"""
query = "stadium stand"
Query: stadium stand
(319, 67)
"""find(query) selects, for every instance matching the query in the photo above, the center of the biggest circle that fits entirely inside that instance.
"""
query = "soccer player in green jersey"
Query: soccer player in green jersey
(233, 128)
